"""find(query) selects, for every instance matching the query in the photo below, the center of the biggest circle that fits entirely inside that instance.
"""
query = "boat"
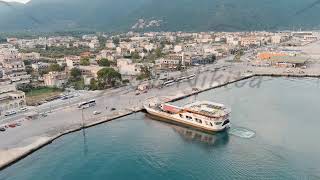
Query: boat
(202, 115)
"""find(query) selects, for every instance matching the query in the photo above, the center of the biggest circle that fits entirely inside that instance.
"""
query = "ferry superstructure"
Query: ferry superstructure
(204, 115)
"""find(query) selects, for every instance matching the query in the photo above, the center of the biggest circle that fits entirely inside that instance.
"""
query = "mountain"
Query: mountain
(184, 15)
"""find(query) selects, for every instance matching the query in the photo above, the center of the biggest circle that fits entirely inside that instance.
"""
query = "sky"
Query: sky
(21, 1)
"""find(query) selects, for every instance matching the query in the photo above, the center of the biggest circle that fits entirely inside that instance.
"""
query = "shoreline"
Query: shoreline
(12, 156)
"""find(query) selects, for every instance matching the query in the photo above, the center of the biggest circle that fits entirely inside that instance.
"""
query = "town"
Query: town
(44, 81)
(35, 71)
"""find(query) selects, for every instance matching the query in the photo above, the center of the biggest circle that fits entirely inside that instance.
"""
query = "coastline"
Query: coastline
(9, 157)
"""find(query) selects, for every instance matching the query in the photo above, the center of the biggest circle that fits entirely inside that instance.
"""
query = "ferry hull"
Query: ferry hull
(165, 117)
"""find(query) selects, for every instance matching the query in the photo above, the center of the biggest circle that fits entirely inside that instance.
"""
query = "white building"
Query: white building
(15, 71)
(72, 61)
(40, 66)
(55, 79)
(127, 67)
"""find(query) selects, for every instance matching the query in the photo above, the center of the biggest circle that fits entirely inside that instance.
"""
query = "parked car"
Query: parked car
(23, 109)
(2, 129)
(113, 109)
(96, 112)
(12, 125)
(9, 113)
(43, 114)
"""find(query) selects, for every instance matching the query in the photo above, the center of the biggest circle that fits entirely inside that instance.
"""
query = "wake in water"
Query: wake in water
(241, 132)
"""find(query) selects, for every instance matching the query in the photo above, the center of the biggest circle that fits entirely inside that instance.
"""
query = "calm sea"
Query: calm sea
(274, 135)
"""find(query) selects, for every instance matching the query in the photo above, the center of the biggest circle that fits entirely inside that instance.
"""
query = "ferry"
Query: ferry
(203, 115)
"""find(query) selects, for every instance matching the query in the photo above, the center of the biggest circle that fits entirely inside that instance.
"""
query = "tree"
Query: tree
(145, 73)
(104, 62)
(54, 67)
(108, 76)
(93, 84)
(75, 74)
(116, 40)
(158, 53)
(135, 55)
(84, 62)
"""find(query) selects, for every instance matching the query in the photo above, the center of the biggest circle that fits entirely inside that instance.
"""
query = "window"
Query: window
(181, 115)
(218, 123)
(199, 120)
(189, 118)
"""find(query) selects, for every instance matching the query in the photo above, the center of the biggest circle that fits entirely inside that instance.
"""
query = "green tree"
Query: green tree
(158, 53)
(145, 73)
(108, 76)
(104, 62)
(75, 74)
(54, 67)
(116, 40)
(93, 84)
(135, 55)
(84, 62)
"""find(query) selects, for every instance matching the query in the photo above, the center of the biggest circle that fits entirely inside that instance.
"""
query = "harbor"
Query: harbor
(65, 118)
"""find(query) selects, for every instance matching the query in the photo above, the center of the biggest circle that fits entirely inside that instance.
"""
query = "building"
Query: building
(128, 68)
(8, 53)
(55, 79)
(250, 41)
(10, 98)
(15, 71)
(171, 61)
(30, 56)
(40, 66)
(288, 61)
(72, 61)
(269, 55)
(90, 71)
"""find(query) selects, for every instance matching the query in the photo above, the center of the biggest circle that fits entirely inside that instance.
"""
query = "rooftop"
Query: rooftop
(289, 59)
(207, 108)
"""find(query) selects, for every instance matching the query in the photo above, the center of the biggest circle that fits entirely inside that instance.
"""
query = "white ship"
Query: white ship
(204, 115)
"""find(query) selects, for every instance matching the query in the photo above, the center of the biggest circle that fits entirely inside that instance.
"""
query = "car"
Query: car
(113, 109)
(23, 109)
(12, 125)
(2, 129)
(9, 113)
(43, 114)
(96, 112)
(137, 93)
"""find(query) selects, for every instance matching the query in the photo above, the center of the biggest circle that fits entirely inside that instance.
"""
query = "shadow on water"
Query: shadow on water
(191, 135)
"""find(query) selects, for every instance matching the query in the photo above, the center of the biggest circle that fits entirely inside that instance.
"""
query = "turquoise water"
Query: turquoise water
(274, 135)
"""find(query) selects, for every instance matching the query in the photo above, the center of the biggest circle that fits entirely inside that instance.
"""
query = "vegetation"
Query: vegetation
(116, 40)
(57, 52)
(135, 55)
(75, 74)
(35, 96)
(145, 73)
(108, 77)
(84, 61)
(55, 67)
(104, 62)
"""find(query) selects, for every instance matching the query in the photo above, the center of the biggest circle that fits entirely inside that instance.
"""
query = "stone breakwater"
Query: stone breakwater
(11, 156)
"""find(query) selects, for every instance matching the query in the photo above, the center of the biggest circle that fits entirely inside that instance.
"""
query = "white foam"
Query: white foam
(242, 132)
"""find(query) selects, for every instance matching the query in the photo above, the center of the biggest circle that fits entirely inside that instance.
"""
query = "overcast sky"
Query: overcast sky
(22, 1)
